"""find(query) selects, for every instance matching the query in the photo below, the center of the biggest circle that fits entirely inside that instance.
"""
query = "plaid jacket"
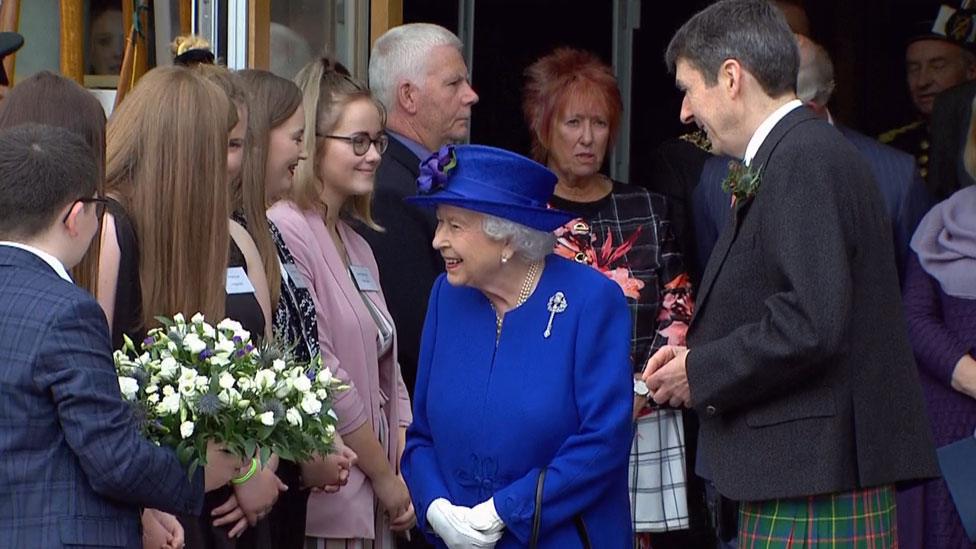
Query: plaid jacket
(73, 468)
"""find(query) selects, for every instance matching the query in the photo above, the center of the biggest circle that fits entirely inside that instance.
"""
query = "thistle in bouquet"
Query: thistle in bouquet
(190, 382)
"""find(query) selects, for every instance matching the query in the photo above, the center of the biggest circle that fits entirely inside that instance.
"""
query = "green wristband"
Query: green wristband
(250, 473)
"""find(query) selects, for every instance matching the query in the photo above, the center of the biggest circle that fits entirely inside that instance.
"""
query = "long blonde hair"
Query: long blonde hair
(246, 197)
(167, 160)
(327, 89)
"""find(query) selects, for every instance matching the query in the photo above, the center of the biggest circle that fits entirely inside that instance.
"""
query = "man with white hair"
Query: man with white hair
(418, 73)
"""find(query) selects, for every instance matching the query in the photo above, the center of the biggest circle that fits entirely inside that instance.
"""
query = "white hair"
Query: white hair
(815, 79)
(401, 54)
(532, 244)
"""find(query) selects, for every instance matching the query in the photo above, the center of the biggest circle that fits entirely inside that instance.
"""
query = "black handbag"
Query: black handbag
(537, 518)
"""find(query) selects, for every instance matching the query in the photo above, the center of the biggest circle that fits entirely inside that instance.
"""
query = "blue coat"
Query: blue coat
(74, 470)
(487, 419)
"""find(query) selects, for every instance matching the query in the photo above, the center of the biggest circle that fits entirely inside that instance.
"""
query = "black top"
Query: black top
(244, 308)
(127, 313)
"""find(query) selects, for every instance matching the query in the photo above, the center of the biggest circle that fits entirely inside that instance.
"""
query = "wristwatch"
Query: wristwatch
(641, 389)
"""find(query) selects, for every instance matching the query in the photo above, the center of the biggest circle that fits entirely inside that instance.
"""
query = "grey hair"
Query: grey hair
(532, 244)
(753, 32)
(401, 54)
(815, 81)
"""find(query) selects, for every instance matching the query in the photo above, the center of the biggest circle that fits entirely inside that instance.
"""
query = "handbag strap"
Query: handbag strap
(537, 517)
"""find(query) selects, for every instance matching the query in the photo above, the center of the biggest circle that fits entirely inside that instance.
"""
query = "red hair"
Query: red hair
(564, 76)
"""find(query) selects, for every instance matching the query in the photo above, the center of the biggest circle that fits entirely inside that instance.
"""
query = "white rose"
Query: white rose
(264, 379)
(169, 405)
(186, 429)
(285, 387)
(324, 376)
(230, 325)
(311, 405)
(129, 387)
(197, 318)
(278, 365)
(224, 347)
(294, 417)
(303, 384)
(267, 418)
(168, 368)
(194, 343)
(226, 380)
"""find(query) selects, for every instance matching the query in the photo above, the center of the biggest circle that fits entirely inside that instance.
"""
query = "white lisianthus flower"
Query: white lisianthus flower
(226, 380)
(311, 405)
(264, 379)
(294, 417)
(285, 387)
(230, 325)
(169, 405)
(202, 383)
(324, 376)
(168, 390)
(322, 394)
(129, 387)
(197, 318)
(168, 368)
(209, 331)
(142, 360)
(186, 429)
(330, 430)
(245, 383)
(172, 347)
(303, 384)
(333, 415)
(194, 343)
(224, 347)
(179, 318)
(296, 372)
(278, 365)
(248, 413)
(152, 387)
(267, 418)
(153, 398)
(244, 403)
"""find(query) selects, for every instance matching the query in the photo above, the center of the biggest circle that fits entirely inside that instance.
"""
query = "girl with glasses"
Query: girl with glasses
(343, 142)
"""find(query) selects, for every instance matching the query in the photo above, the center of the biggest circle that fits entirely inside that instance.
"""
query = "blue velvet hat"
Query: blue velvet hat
(491, 181)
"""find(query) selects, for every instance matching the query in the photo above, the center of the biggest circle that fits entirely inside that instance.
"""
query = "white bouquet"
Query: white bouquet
(193, 382)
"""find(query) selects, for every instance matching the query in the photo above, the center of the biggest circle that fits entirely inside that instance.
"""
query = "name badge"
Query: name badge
(238, 282)
(364, 279)
(291, 272)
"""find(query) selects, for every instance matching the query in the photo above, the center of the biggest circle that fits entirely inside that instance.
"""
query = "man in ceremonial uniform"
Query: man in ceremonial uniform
(938, 56)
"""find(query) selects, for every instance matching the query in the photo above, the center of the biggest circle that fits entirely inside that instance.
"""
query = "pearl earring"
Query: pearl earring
(504, 259)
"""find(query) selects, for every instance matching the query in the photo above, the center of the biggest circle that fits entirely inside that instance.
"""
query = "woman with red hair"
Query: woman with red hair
(572, 106)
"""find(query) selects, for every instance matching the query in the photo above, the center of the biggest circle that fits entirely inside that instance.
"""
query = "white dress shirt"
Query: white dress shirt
(54, 262)
(762, 132)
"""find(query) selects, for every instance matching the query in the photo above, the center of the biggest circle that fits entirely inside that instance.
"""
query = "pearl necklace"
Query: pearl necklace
(524, 294)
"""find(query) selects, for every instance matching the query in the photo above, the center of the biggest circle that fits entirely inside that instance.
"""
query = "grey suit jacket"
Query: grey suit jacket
(800, 365)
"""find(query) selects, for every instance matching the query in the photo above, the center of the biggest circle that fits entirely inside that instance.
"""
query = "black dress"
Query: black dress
(199, 531)
(127, 312)
(294, 325)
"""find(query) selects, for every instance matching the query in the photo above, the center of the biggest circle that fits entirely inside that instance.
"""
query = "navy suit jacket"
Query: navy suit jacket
(905, 196)
(73, 468)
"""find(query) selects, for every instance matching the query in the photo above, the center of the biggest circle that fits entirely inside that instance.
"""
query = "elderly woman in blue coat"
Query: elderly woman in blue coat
(522, 408)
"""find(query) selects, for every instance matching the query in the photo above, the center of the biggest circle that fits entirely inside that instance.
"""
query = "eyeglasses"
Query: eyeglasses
(361, 142)
(99, 203)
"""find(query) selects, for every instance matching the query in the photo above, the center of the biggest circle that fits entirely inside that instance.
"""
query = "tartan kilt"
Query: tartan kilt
(861, 519)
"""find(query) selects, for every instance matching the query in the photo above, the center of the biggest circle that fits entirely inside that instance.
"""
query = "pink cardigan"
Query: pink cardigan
(347, 339)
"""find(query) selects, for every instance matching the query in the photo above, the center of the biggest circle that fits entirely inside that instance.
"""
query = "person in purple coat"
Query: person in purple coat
(940, 307)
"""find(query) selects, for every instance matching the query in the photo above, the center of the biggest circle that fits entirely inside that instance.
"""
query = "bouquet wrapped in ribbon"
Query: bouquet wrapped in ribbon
(192, 382)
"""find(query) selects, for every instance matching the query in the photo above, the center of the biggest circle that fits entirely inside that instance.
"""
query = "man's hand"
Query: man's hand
(666, 375)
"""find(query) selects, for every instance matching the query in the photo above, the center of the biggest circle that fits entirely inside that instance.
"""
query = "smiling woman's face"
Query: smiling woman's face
(470, 257)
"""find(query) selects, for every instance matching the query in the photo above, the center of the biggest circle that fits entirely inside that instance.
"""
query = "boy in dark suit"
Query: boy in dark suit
(75, 469)
(797, 359)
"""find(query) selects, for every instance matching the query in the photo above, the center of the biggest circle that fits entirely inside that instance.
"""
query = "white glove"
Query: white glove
(450, 522)
(484, 518)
